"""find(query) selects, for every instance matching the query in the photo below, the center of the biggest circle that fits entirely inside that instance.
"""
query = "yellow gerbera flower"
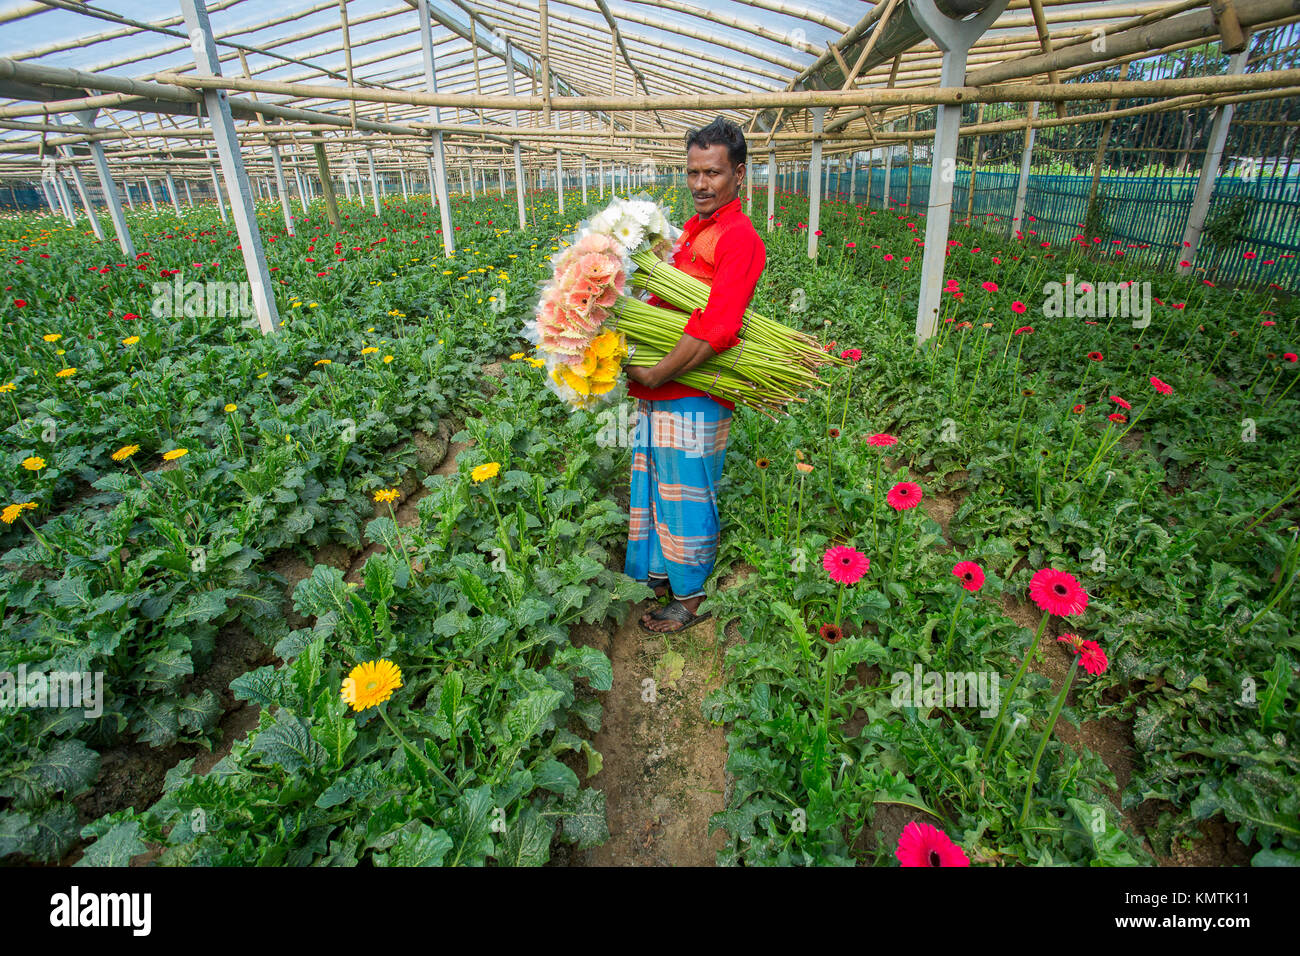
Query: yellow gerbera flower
(588, 364)
(231, 406)
(125, 452)
(33, 463)
(323, 362)
(516, 356)
(384, 495)
(7, 387)
(11, 513)
(535, 363)
(175, 453)
(371, 683)
(387, 359)
(66, 372)
(52, 337)
(484, 472)
(263, 375)
(131, 340)
(576, 382)
(369, 350)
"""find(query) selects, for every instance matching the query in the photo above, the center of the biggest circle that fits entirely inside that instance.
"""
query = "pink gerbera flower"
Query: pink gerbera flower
(922, 845)
(1161, 387)
(904, 495)
(989, 286)
(881, 440)
(1121, 403)
(854, 355)
(845, 565)
(971, 574)
(1057, 592)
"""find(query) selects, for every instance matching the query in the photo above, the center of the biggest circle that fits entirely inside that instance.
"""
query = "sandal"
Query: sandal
(676, 611)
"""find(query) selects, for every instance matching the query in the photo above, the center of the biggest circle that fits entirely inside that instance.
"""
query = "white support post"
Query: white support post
(600, 174)
(815, 180)
(437, 164)
(584, 179)
(853, 178)
(302, 187)
(189, 196)
(108, 188)
(889, 164)
(216, 189)
(171, 190)
(149, 192)
(130, 200)
(1209, 172)
(749, 190)
(559, 179)
(217, 106)
(771, 189)
(501, 180)
(1022, 185)
(82, 193)
(514, 122)
(281, 189)
(374, 180)
(954, 39)
(401, 174)
(65, 198)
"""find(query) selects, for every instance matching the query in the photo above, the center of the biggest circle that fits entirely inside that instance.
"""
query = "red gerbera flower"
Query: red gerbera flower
(1161, 387)
(1117, 417)
(1057, 592)
(830, 633)
(854, 355)
(881, 440)
(1290, 356)
(904, 495)
(1120, 402)
(1092, 658)
(971, 574)
(1268, 322)
(845, 565)
(20, 303)
(1017, 307)
(922, 845)
(989, 286)
(1095, 356)
(1078, 408)
(1026, 329)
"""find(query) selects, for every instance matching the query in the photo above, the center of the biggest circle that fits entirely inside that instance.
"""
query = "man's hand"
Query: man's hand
(688, 353)
(642, 376)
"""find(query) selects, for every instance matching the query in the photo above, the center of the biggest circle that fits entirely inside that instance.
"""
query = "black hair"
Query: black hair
(720, 132)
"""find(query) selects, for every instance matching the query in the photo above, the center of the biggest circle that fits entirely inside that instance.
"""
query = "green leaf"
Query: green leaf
(332, 728)
(116, 847)
(264, 686)
(289, 744)
(527, 841)
(1278, 856)
(474, 589)
(588, 662)
(204, 606)
(157, 722)
(199, 713)
(471, 833)
(17, 833)
(595, 762)
(553, 775)
(584, 818)
(417, 845)
(69, 766)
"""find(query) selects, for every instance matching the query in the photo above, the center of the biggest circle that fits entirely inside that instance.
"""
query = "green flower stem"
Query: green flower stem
(1015, 439)
(1272, 385)
(798, 522)
(762, 483)
(847, 392)
(501, 525)
(875, 505)
(398, 530)
(1282, 395)
(826, 707)
(952, 628)
(1250, 389)
(423, 759)
(1047, 733)
(1209, 369)
(1078, 423)
(1015, 684)
(39, 537)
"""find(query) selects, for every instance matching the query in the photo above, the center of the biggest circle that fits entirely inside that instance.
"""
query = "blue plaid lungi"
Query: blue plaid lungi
(678, 448)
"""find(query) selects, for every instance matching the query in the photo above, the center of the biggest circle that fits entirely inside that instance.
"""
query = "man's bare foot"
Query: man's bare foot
(660, 590)
(665, 626)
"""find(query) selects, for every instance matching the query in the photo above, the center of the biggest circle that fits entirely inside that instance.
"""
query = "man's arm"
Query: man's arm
(712, 330)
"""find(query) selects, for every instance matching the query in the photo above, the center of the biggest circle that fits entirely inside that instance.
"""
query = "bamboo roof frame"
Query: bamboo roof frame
(1032, 53)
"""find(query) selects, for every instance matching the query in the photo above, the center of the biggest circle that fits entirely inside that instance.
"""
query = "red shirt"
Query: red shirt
(723, 250)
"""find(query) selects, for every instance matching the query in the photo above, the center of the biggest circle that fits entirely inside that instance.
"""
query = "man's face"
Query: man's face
(711, 178)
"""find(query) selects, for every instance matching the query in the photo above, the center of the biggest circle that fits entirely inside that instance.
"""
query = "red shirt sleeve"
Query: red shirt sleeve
(739, 261)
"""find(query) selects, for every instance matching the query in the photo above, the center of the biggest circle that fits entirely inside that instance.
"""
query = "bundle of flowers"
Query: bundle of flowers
(585, 321)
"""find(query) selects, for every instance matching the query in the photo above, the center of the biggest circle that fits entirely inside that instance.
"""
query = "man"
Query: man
(677, 460)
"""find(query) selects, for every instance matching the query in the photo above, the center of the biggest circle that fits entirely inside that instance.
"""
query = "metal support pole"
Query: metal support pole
(584, 179)
(217, 106)
(401, 174)
(302, 187)
(771, 188)
(559, 179)
(65, 200)
(149, 192)
(82, 193)
(280, 188)
(514, 121)
(374, 180)
(171, 189)
(815, 179)
(1022, 185)
(189, 196)
(501, 180)
(853, 178)
(954, 39)
(1209, 172)
(216, 190)
(437, 167)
